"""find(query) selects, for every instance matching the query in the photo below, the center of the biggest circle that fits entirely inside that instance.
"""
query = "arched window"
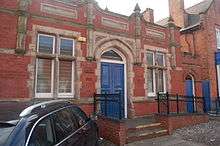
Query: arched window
(112, 55)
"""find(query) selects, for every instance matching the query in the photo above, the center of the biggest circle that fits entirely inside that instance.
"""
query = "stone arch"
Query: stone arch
(190, 73)
(120, 45)
(123, 50)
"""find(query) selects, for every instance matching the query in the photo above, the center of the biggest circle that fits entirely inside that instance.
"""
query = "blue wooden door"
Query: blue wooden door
(206, 95)
(112, 82)
(189, 94)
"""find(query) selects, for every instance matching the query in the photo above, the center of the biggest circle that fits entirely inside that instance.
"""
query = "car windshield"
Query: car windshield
(5, 131)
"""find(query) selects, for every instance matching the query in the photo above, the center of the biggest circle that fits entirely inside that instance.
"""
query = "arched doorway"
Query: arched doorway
(113, 80)
(190, 93)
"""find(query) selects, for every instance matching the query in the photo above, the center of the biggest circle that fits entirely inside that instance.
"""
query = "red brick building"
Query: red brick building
(72, 49)
(198, 54)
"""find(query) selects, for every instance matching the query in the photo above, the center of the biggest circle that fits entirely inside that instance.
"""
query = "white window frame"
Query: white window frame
(218, 78)
(164, 61)
(40, 34)
(50, 95)
(73, 52)
(150, 52)
(218, 38)
(45, 95)
(67, 95)
(164, 81)
(153, 94)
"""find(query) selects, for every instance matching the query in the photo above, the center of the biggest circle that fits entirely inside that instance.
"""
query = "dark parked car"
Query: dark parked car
(50, 123)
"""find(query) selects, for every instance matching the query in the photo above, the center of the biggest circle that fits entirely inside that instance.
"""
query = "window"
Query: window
(150, 81)
(156, 81)
(66, 47)
(150, 58)
(112, 55)
(218, 38)
(54, 72)
(42, 134)
(65, 123)
(46, 44)
(160, 59)
(44, 73)
(65, 77)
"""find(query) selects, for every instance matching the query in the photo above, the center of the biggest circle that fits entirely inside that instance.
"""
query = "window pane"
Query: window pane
(66, 47)
(150, 81)
(45, 44)
(160, 59)
(150, 59)
(44, 68)
(218, 38)
(111, 55)
(42, 134)
(65, 77)
(160, 81)
(65, 123)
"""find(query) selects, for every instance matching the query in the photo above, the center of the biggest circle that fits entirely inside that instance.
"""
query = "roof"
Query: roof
(163, 22)
(193, 14)
(200, 7)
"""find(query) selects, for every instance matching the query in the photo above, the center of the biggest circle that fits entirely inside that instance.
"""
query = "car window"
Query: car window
(4, 134)
(79, 113)
(81, 116)
(65, 123)
(42, 134)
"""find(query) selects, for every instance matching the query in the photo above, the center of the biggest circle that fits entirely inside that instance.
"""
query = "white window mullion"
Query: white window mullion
(164, 81)
(154, 82)
(218, 38)
(218, 78)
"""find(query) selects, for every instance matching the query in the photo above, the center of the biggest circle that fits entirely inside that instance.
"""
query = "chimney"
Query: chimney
(177, 12)
(148, 15)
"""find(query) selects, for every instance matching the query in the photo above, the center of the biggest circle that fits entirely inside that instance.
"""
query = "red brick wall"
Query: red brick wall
(14, 76)
(88, 79)
(145, 108)
(114, 131)
(175, 122)
(139, 81)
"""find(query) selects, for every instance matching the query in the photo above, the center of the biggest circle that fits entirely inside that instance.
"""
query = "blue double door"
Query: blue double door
(205, 93)
(112, 82)
(190, 96)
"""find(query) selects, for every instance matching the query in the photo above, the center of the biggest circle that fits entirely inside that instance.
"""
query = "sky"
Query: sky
(126, 7)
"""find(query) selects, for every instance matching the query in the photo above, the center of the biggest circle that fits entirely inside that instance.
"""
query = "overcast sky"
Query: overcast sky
(126, 7)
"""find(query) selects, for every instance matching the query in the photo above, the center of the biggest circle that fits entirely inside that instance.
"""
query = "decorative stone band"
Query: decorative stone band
(56, 10)
(155, 33)
(114, 24)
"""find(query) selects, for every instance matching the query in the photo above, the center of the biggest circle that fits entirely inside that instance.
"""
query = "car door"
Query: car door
(87, 126)
(66, 129)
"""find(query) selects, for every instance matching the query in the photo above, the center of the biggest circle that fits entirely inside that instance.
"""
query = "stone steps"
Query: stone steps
(144, 128)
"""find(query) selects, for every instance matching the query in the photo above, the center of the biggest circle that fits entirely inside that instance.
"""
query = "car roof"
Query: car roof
(14, 110)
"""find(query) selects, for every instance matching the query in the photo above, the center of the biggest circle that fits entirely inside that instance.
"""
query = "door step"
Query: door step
(144, 128)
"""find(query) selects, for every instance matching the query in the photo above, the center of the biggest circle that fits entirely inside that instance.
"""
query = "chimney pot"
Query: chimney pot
(148, 15)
